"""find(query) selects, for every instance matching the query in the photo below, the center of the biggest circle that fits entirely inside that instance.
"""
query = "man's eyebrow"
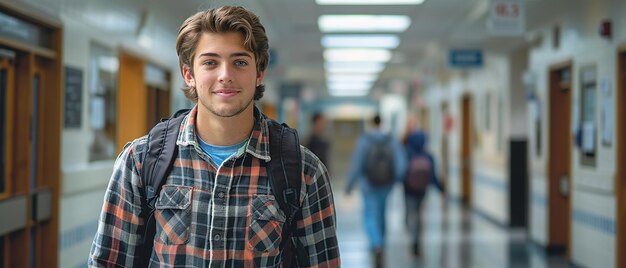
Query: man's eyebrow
(236, 54)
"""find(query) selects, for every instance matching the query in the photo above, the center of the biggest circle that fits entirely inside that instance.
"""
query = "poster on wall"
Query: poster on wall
(73, 97)
(607, 112)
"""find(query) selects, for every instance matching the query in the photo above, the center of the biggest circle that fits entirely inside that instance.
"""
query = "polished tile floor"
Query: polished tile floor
(453, 237)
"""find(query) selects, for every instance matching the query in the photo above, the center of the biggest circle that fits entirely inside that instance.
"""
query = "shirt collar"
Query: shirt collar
(258, 144)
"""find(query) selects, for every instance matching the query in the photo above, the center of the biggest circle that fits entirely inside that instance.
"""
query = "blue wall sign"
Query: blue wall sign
(465, 58)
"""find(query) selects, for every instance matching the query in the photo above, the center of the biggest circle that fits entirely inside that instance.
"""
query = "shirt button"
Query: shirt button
(220, 194)
(217, 237)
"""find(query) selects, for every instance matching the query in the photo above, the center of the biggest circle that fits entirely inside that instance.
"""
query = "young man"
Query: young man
(378, 162)
(217, 208)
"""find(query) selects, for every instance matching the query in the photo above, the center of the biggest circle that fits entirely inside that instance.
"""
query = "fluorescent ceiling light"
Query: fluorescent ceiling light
(354, 67)
(349, 85)
(363, 23)
(357, 55)
(334, 77)
(348, 93)
(349, 89)
(369, 2)
(369, 41)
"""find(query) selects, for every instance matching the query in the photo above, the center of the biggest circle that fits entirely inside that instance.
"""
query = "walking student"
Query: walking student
(378, 161)
(421, 172)
(218, 205)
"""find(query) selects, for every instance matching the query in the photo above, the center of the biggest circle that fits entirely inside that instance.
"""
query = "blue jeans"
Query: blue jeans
(374, 203)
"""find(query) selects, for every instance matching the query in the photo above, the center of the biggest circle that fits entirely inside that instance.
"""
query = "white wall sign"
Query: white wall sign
(506, 17)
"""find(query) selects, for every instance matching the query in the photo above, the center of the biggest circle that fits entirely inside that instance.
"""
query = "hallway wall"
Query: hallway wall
(592, 191)
(488, 87)
(84, 182)
(593, 194)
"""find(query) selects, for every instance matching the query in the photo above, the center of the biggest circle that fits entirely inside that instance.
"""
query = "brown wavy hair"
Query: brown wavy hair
(224, 19)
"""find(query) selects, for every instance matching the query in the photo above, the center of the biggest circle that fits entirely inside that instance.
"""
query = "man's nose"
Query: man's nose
(225, 75)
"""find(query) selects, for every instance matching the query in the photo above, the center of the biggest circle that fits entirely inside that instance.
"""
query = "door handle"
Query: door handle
(564, 186)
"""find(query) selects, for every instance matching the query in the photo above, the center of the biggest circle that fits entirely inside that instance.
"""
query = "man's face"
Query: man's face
(224, 74)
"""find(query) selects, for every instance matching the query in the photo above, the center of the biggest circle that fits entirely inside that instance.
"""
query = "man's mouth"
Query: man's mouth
(225, 92)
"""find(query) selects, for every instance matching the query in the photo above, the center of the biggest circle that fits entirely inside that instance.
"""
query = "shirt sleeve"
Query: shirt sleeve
(120, 228)
(316, 230)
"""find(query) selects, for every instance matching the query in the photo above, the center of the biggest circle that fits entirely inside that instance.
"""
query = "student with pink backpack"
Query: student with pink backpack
(420, 172)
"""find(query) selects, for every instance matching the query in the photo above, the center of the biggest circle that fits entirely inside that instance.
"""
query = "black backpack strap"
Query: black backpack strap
(159, 156)
(285, 175)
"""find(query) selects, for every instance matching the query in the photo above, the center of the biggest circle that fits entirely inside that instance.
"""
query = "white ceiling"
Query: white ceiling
(292, 27)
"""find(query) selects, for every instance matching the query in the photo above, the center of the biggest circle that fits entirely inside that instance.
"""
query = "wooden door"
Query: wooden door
(466, 150)
(620, 180)
(29, 184)
(30, 125)
(559, 158)
(7, 91)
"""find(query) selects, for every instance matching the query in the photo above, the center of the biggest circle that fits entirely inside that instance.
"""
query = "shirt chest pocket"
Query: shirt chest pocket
(173, 214)
(266, 224)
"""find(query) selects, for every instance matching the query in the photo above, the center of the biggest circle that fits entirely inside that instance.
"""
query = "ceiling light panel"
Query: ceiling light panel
(356, 55)
(333, 77)
(369, 2)
(354, 67)
(362, 41)
(363, 23)
(348, 93)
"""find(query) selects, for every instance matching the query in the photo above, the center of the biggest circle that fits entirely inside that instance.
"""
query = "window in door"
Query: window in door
(588, 128)
(103, 70)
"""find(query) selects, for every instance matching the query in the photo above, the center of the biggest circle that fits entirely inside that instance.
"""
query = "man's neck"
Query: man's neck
(224, 131)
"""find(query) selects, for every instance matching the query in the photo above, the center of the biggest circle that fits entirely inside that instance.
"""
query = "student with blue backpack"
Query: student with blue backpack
(378, 162)
(420, 173)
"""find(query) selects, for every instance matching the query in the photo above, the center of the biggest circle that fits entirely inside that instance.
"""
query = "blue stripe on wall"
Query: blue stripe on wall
(598, 222)
(491, 182)
(484, 180)
(78, 234)
(539, 200)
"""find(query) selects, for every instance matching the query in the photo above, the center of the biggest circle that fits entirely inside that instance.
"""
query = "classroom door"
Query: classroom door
(559, 159)
(30, 152)
(621, 158)
(466, 150)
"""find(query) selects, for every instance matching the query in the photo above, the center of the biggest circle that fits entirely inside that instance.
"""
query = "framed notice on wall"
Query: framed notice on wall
(73, 97)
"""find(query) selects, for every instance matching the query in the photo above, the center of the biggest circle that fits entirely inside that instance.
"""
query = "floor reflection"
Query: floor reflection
(453, 237)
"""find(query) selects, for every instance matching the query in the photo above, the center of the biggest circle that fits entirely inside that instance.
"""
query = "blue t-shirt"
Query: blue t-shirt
(220, 153)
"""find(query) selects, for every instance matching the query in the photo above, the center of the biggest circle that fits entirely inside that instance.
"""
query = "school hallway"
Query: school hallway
(453, 237)
(523, 102)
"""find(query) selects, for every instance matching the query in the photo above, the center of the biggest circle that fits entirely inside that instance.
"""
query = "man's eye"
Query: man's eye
(209, 63)
(241, 63)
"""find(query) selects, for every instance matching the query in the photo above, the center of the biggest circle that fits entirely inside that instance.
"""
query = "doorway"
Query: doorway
(559, 158)
(30, 126)
(621, 157)
(445, 130)
(466, 150)
(30, 170)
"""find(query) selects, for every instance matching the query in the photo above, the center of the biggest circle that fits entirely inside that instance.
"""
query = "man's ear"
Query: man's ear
(188, 75)
(259, 78)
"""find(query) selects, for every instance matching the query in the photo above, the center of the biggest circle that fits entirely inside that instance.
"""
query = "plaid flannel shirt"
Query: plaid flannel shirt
(209, 216)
